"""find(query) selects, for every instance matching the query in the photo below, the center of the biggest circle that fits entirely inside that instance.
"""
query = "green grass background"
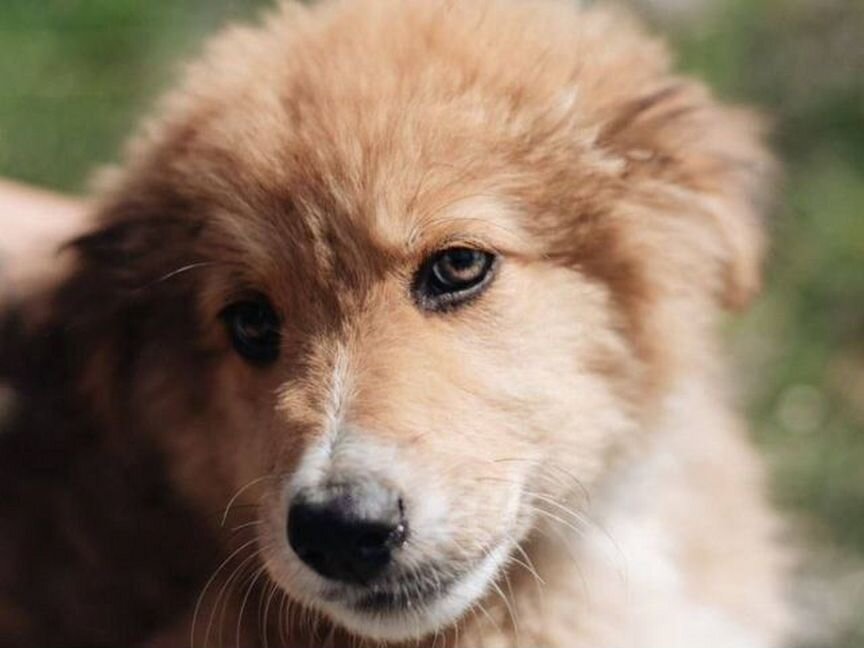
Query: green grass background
(76, 74)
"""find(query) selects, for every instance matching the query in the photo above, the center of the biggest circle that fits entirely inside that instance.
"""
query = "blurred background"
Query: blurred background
(75, 75)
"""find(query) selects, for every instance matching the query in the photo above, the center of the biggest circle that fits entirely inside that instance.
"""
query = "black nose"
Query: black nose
(350, 534)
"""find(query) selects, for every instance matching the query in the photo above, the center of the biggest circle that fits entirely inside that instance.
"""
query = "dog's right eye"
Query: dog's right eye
(253, 327)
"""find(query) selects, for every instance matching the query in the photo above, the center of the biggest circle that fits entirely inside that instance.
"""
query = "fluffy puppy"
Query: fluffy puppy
(398, 325)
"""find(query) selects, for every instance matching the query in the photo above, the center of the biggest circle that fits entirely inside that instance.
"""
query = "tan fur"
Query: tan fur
(576, 409)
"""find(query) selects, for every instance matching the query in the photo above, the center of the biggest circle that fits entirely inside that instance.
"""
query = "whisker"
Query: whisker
(579, 532)
(485, 613)
(265, 613)
(223, 598)
(286, 614)
(207, 586)
(547, 499)
(174, 273)
(245, 525)
(510, 610)
(545, 466)
(261, 570)
(239, 492)
(529, 565)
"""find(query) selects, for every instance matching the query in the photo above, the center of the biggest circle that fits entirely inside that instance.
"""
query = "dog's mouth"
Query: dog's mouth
(412, 602)
(412, 590)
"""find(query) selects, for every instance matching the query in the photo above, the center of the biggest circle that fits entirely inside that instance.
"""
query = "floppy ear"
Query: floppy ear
(137, 239)
(98, 316)
(707, 167)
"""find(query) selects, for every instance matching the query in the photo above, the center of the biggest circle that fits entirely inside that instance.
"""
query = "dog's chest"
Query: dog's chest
(635, 585)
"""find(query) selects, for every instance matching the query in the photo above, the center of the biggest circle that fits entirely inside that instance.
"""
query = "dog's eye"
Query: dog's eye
(453, 276)
(254, 329)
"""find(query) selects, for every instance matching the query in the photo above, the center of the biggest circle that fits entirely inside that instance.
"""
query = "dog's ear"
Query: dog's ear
(137, 238)
(79, 480)
(112, 290)
(707, 167)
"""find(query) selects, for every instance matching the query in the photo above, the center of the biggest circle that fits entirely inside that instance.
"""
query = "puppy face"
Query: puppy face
(417, 271)
(418, 380)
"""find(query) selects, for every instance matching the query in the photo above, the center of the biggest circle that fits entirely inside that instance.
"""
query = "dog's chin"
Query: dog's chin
(410, 608)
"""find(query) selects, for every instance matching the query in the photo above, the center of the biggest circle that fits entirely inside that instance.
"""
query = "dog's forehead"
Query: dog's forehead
(372, 234)
(385, 189)
(346, 147)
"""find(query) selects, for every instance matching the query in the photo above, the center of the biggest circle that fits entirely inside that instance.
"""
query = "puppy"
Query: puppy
(398, 325)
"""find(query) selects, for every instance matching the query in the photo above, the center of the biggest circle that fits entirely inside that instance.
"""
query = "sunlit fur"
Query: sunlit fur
(564, 443)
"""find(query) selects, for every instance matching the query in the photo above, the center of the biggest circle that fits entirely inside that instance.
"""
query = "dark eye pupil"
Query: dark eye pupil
(251, 321)
(462, 259)
(253, 327)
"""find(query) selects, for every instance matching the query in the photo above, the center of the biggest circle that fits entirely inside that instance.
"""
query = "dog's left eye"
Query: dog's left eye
(453, 276)
(254, 329)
